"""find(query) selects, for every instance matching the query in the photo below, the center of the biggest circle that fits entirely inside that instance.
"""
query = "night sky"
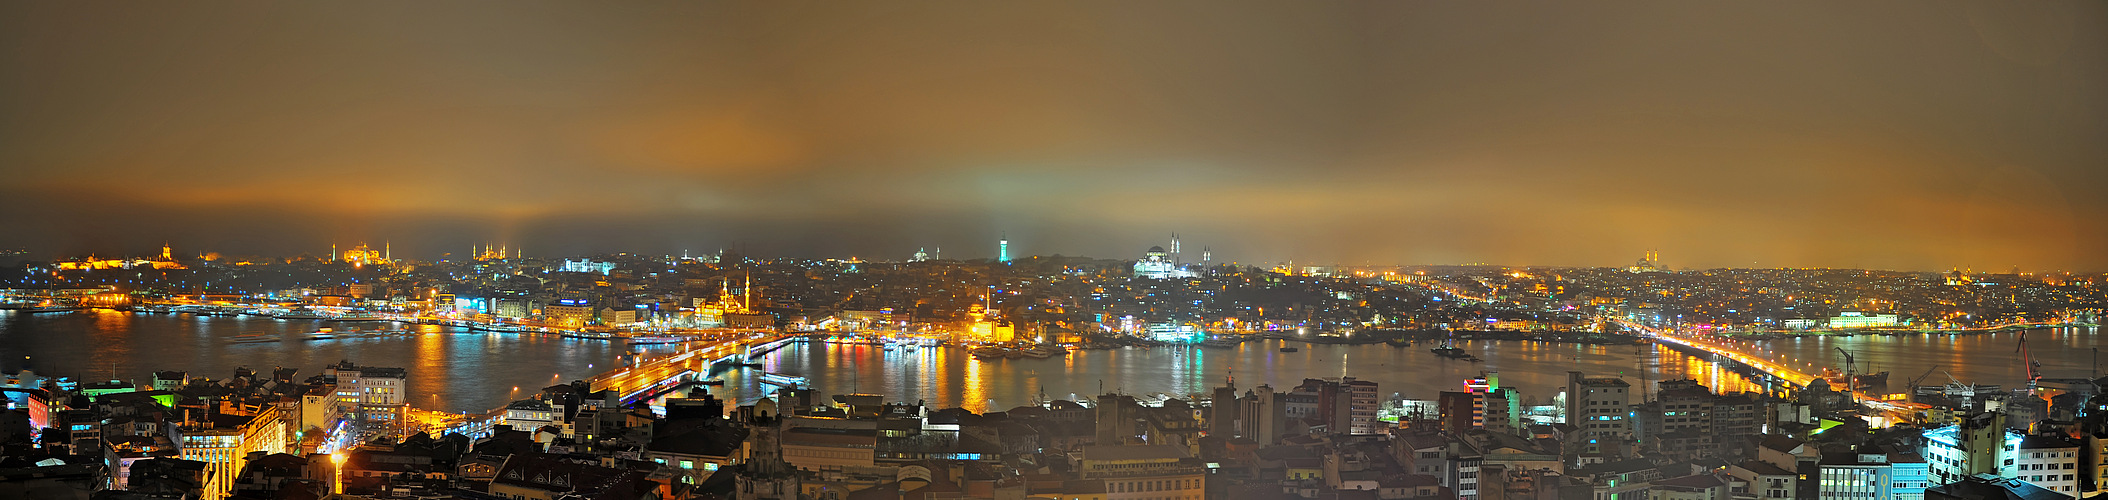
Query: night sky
(1894, 135)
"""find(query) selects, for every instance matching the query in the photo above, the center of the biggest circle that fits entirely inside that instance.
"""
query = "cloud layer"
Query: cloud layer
(1907, 135)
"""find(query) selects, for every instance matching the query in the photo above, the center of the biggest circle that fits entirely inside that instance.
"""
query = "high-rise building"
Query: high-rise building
(1223, 409)
(1600, 408)
(1002, 249)
(372, 398)
(1362, 406)
(1974, 446)
(1262, 415)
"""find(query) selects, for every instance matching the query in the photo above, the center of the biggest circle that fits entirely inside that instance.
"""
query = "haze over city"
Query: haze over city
(1889, 135)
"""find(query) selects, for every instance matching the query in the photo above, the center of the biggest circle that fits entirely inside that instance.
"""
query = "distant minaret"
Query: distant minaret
(1003, 249)
(1206, 256)
(388, 251)
(1174, 249)
(332, 251)
(939, 254)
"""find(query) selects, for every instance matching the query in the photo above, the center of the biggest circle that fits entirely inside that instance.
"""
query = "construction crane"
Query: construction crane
(2034, 369)
(1920, 378)
(1851, 382)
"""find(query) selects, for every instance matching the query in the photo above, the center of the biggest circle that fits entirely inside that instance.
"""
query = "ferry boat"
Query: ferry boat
(360, 316)
(656, 340)
(782, 379)
(256, 338)
(578, 334)
(302, 313)
(1219, 342)
(1289, 349)
(51, 307)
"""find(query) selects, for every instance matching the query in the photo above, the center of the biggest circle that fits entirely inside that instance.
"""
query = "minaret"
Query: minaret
(332, 251)
(939, 254)
(1003, 249)
(388, 251)
(1174, 249)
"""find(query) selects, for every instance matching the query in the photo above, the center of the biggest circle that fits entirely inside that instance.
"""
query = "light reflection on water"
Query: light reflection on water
(463, 371)
(449, 369)
(931, 374)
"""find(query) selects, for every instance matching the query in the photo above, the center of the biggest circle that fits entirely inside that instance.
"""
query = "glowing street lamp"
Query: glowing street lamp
(337, 472)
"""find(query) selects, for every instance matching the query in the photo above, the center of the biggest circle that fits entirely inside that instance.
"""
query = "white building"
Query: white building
(1978, 445)
(1855, 319)
(1159, 264)
(587, 266)
(373, 397)
(2049, 461)
(1873, 474)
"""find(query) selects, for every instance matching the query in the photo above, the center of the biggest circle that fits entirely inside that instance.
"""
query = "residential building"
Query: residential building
(1600, 409)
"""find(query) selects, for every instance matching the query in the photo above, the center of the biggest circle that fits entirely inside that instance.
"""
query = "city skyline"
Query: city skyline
(1886, 136)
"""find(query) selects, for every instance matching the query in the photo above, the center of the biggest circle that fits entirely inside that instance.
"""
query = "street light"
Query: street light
(337, 472)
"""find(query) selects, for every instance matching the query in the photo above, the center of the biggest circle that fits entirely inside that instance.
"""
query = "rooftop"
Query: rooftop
(1134, 452)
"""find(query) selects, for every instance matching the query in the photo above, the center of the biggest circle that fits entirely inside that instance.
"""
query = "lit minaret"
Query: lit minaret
(1174, 249)
(1003, 249)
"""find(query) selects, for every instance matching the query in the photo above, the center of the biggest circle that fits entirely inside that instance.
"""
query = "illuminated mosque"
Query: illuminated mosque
(1158, 263)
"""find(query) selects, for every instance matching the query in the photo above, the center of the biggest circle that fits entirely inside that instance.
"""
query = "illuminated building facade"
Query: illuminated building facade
(588, 266)
(164, 261)
(362, 256)
(223, 447)
(1855, 319)
(372, 398)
